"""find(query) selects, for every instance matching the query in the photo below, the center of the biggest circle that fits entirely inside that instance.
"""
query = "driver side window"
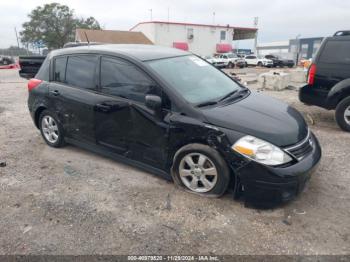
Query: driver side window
(123, 79)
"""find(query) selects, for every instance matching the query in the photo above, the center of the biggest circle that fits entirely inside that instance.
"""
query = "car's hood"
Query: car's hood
(260, 116)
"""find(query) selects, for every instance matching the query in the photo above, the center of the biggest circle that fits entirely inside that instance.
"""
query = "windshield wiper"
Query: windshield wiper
(208, 103)
(228, 95)
(235, 94)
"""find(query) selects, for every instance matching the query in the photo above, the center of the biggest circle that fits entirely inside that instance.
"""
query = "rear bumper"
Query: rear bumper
(315, 96)
(268, 185)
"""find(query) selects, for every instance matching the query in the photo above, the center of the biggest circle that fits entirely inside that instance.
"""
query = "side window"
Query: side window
(336, 52)
(59, 74)
(81, 71)
(121, 78)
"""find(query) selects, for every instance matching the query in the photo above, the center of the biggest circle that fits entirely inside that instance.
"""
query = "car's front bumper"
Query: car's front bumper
(265, 184)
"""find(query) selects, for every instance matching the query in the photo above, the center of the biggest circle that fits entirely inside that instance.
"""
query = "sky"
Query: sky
(279, 20)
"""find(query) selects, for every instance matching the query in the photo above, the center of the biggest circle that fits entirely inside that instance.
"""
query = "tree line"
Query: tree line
(52, 25)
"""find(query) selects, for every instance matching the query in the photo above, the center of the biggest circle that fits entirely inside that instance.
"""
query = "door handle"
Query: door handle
(55, 92)
(103, 107)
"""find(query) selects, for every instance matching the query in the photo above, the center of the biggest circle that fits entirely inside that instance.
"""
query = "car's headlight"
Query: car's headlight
(261, 151)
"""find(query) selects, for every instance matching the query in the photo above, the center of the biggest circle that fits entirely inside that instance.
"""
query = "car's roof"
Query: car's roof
(140, 52)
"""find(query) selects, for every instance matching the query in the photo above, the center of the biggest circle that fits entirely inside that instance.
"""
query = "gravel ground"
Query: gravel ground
(70, 201)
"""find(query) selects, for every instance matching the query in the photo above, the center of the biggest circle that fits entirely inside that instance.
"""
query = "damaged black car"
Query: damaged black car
(171, 113)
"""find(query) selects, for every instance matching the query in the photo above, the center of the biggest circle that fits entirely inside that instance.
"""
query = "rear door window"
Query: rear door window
(123, 79)
(336, 52)
(60, 69)
(81, 71)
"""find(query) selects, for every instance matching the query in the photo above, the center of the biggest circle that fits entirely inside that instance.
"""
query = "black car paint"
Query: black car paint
(279, 61)
(150, 139)
(332, 80)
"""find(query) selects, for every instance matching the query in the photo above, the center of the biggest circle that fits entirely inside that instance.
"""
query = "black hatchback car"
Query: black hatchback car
(329, 78)
(173, 114)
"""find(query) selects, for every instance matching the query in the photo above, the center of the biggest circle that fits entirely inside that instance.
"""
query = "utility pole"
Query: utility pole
(213, 18)
(17, 37)
(150, 10)
(256, 22)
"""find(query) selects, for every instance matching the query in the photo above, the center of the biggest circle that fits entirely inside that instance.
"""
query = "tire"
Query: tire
(230, 65)
(259, 64)
(51, 129)
(342, 114)
(208, 168)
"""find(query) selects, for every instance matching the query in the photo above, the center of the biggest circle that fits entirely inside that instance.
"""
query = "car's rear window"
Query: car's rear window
(336, 52)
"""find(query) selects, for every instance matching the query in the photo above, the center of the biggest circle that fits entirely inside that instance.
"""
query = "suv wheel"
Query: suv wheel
(342, 114)
(50, 129)
(231, 65)
(260, 64)
(200, 169)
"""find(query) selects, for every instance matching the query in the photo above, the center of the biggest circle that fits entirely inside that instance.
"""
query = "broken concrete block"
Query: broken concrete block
(274, 80)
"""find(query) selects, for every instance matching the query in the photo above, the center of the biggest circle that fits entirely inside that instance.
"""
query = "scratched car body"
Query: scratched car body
(175, 115)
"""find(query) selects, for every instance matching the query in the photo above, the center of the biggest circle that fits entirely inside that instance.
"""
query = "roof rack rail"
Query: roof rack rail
(342, 33)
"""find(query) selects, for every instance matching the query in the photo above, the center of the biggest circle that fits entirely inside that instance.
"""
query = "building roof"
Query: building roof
(193, 24)
(139, 52)
(111, 37)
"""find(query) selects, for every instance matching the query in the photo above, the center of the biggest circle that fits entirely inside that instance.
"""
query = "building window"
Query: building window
(190, 33)
(222, 35)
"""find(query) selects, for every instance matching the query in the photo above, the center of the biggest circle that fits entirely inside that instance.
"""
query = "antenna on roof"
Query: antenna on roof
(87, 39)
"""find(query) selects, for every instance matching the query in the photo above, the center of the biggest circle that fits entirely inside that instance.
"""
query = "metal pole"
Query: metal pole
(256, 21)
(17, 37)
(151, 14)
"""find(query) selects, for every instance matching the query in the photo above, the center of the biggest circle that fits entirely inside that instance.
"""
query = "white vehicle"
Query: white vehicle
(258, 61)
(215, 61)
(231, 60)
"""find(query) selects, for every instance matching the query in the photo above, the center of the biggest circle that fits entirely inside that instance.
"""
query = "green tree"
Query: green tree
(54, 25)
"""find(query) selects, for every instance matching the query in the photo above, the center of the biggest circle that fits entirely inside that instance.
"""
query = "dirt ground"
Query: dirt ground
(70, 201)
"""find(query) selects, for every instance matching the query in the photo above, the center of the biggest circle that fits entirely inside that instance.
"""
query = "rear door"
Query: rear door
(123, 123)
(251, 60)
(333, 62)
(73, 92)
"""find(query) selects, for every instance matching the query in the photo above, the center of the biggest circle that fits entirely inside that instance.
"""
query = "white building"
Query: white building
(200, 39)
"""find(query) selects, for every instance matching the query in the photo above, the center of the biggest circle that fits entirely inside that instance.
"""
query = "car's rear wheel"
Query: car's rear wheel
(200, 169)
(342, 114)
(51, 129)
(260, 64)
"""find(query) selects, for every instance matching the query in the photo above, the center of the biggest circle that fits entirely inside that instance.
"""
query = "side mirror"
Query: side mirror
(153, 102)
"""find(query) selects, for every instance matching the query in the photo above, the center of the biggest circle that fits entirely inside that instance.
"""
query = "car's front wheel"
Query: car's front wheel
(342, 114)
(231, 65)
(260, 64)
(51, 129)
(200, 169)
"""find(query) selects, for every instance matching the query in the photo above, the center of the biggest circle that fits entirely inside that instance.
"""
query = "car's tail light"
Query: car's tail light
(33, 83)
(311, 76)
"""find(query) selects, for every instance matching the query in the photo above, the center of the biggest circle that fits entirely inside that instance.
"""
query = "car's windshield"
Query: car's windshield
(196, 80)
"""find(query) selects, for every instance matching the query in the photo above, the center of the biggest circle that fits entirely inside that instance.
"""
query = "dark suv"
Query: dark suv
(280, 62)
(173, 114)
(329, 78)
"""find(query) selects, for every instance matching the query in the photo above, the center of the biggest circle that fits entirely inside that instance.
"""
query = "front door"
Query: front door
(123, 123)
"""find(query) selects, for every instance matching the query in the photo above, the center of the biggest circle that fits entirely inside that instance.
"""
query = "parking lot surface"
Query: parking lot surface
(71, 201)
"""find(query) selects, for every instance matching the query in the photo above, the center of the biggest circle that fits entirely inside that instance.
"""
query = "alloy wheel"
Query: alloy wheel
(50, 129)
(347, 115)
(198, 173)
